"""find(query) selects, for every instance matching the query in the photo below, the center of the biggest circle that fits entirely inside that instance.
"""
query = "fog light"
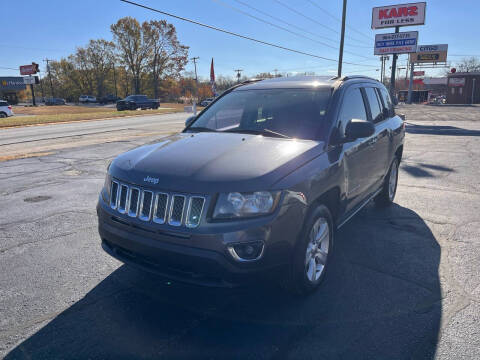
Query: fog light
(247, 251)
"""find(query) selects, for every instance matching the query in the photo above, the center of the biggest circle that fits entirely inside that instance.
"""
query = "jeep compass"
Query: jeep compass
(256, 184)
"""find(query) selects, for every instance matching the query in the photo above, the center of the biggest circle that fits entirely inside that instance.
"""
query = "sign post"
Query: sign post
(410, 83)
(30, 70)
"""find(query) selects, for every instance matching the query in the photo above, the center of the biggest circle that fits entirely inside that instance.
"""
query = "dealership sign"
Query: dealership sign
(418, 73)
(396, 43)
(398, 15)
(430, 54)
(29, 69)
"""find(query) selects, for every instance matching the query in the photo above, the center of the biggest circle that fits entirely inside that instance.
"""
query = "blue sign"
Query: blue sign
(12, 83)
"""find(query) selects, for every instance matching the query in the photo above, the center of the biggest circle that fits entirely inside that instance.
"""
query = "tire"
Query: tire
(389, 188)
(304, 276)
(3, 115)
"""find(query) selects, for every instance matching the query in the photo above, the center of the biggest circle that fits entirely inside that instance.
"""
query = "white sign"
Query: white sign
(456, 81)
(29, 80)
(398, 15)
(432, 48)
(396, 43)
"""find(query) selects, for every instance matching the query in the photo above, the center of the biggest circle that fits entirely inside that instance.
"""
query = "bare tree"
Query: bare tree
(471, 64)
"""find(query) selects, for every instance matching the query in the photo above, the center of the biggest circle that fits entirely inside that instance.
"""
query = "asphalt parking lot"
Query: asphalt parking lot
(404, 282)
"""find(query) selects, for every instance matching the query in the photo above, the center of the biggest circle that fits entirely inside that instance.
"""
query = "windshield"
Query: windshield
(296, 113)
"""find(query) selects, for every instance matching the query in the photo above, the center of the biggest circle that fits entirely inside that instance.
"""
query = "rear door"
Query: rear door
(380, 143)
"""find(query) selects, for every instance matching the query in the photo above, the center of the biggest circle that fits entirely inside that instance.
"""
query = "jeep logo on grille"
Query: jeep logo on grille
(151, 180)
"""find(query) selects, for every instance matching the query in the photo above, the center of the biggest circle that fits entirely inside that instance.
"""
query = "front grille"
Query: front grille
(159, 207)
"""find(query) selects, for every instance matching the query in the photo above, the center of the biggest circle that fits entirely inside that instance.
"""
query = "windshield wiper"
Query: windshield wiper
(201, 129)
(266, 132)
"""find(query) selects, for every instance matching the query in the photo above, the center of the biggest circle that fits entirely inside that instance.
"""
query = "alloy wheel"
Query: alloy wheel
(317, 250)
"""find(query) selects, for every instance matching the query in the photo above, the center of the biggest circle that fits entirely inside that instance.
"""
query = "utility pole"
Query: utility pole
(394, 68)
(342, 37)
(238, 74)
(50, 76)
(196, 85)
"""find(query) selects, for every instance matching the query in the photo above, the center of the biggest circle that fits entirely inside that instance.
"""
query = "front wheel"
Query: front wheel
(389, 189)
(309, 263)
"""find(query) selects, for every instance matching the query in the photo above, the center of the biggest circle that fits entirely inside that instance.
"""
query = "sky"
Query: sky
(54, 28)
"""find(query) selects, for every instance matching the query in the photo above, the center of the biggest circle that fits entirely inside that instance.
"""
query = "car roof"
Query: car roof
(301, 82)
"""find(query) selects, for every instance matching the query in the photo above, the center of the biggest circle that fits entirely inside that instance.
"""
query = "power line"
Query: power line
(236, 34)
(283, 28)
(292, 25)
(337, 19)
(7, 68)
(311, 19)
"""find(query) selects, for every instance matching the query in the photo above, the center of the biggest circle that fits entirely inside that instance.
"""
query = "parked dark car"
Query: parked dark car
(133, 102)
(256, 184)
(109, 99)
(55, 101)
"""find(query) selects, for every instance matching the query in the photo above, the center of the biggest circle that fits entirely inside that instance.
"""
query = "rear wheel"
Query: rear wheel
(389, 189)
(310, 260)
(3, 115)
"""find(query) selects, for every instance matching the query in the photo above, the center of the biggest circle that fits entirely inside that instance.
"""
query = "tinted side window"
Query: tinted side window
(387, 101)
(3, 103)
(353, 107)
(374, 104)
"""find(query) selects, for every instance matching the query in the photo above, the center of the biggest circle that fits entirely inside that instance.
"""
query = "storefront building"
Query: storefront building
(463, 88)
(9, 88)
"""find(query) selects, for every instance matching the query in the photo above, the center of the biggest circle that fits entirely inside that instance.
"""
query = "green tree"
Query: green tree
(133, 47)
(168, 57)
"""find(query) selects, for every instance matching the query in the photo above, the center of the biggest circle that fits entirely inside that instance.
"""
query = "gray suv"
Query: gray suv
(256, 184)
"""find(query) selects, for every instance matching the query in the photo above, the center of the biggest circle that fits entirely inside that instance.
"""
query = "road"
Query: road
(28, 141)
(403, 283)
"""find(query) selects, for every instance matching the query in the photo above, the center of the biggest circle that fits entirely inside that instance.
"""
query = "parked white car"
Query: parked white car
(87, 99)
(5, 109)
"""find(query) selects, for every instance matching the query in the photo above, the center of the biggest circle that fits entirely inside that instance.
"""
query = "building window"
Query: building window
(460, 90)
(453, 91)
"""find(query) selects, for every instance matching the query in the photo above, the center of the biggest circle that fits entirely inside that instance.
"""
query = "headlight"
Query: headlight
(235, 204)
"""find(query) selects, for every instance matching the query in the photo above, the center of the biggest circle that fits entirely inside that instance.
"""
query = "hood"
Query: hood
(207, 163)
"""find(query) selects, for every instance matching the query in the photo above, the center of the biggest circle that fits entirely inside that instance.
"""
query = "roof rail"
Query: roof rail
(349, 77)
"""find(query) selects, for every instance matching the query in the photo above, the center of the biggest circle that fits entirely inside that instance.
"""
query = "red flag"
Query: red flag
(212, 79)
(212, 73)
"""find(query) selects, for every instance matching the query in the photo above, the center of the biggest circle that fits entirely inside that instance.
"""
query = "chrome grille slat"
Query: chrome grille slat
(194, 211)
(133, 201)
(146, 205)
(158, 207)
(122, 201)
(177, 207)
(114, 195)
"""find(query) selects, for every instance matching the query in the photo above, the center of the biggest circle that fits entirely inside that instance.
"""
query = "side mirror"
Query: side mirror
(357, 129)
(189, 120)
(386, 113)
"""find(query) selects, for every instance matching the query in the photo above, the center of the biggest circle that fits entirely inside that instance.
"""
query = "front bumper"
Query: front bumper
(200, 258)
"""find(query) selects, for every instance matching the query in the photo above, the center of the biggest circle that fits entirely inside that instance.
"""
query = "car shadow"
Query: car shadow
(425, 170)
(380, 299)
(440, 130)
